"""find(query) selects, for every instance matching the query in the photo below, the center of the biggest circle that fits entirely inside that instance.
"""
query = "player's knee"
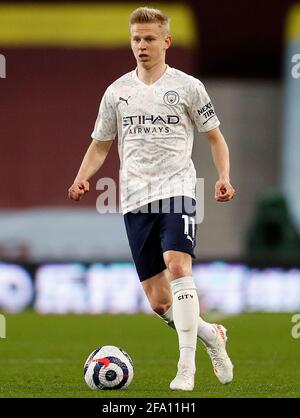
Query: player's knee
(177, 269)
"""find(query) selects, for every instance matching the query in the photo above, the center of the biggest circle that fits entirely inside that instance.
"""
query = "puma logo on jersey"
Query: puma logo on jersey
(124, 100)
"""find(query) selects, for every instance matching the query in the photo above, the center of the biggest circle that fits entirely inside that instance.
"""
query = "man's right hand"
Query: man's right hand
(78, 189)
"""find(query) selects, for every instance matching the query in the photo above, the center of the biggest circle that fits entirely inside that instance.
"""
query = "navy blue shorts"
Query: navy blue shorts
(159, 226)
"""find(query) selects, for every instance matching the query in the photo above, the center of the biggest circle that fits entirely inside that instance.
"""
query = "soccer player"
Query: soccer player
(153, 110)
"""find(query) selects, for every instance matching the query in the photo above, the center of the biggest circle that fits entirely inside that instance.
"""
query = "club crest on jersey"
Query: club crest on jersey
(171, 98)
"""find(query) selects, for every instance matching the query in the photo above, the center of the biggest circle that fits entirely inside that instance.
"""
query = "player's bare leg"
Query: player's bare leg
(159, 295)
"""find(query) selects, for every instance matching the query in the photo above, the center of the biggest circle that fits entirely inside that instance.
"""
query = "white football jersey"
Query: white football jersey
(155, 128)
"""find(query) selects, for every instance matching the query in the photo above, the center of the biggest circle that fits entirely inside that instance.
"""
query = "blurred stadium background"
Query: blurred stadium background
(61, 257)
(60, 57)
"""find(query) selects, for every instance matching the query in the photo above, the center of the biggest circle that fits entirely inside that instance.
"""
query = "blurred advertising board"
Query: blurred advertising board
(114, 288)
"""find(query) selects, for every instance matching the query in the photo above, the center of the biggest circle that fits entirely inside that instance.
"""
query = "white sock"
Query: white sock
(206, 331)
(185, 317)
(187, 356)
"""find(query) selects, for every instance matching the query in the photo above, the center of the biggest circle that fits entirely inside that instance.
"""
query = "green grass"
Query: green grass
(43, 356)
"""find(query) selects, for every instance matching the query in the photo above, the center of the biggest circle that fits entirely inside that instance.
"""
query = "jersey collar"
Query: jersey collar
(167, 71)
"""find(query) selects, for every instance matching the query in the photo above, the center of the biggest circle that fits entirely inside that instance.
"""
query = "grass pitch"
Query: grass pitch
(43, 356)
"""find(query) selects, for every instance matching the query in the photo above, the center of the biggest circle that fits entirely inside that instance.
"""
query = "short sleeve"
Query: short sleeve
(201, 109)
(106, 123)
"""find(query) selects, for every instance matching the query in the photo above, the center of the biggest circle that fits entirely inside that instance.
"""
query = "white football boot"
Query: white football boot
(222, 364)
(184, 379)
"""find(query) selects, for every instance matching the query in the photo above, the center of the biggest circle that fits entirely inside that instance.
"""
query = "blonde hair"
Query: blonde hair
(148, 15)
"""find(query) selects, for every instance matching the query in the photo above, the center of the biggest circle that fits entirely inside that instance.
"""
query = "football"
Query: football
(108, 368)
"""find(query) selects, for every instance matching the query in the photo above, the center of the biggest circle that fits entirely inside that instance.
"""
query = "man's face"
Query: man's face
(149, 43)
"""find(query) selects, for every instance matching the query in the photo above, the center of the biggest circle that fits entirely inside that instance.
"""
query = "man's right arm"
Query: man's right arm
(91, 163)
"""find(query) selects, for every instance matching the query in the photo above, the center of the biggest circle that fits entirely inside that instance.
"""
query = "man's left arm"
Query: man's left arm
(220, 153)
